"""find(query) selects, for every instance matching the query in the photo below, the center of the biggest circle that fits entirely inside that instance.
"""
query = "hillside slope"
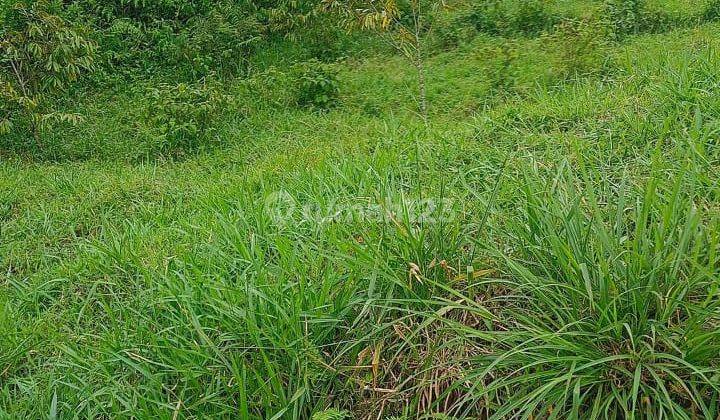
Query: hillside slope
(546, 243)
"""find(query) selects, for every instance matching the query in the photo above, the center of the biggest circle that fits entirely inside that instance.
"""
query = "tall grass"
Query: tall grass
(606, 306)
(569, 269)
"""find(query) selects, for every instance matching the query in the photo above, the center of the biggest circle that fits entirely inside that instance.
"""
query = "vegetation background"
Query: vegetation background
(570, 146)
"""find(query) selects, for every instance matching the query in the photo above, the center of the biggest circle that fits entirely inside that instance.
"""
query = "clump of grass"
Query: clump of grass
(612, 308)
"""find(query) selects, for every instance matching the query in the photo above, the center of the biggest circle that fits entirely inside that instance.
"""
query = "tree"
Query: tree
(403, 23)
(41, 54)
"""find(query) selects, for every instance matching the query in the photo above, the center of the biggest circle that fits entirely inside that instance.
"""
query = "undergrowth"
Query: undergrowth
(297, 242)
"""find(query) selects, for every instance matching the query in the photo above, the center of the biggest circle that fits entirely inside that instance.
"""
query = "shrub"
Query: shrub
(218, 42)
(628, 17)
(503, 17)
(532, 17)
(283, 16)
(453, 29)
(625, 15)
(145, 11)
(318, 85)
(580, 45)
(216, 39)
(502, 71)
(182, 116)
(191, 38)
(712, 11)
(41, 55)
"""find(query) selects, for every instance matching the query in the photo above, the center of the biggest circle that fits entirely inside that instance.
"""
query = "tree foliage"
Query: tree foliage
(41, 54)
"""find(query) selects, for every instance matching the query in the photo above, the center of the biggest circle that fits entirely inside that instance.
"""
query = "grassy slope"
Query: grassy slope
(150, 289)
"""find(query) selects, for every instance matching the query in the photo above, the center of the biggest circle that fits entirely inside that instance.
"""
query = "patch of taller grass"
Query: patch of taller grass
(607, 305)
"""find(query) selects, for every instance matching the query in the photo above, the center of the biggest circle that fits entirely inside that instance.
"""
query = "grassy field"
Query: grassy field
(545, 246)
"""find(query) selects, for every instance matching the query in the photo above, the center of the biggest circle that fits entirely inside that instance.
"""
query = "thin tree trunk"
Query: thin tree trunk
(35, 128)
(422, 90)
(420, 62)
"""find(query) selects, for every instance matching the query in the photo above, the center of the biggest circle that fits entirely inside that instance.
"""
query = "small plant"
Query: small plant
(502, 74)
(318, 85)
(183, 114)
(41, 54)
(403, 25)
(626, 16)
(580, 45)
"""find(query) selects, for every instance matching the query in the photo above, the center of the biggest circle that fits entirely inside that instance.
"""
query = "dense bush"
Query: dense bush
(453, 29)
(185, 40)
(191, 39)
(145, 11)
(579, 44)
(626, 15)
(219, 42)
(318, 86)
(181, 116)
(712, 11)
(502, 17)
(41, 54)
(47, 45)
